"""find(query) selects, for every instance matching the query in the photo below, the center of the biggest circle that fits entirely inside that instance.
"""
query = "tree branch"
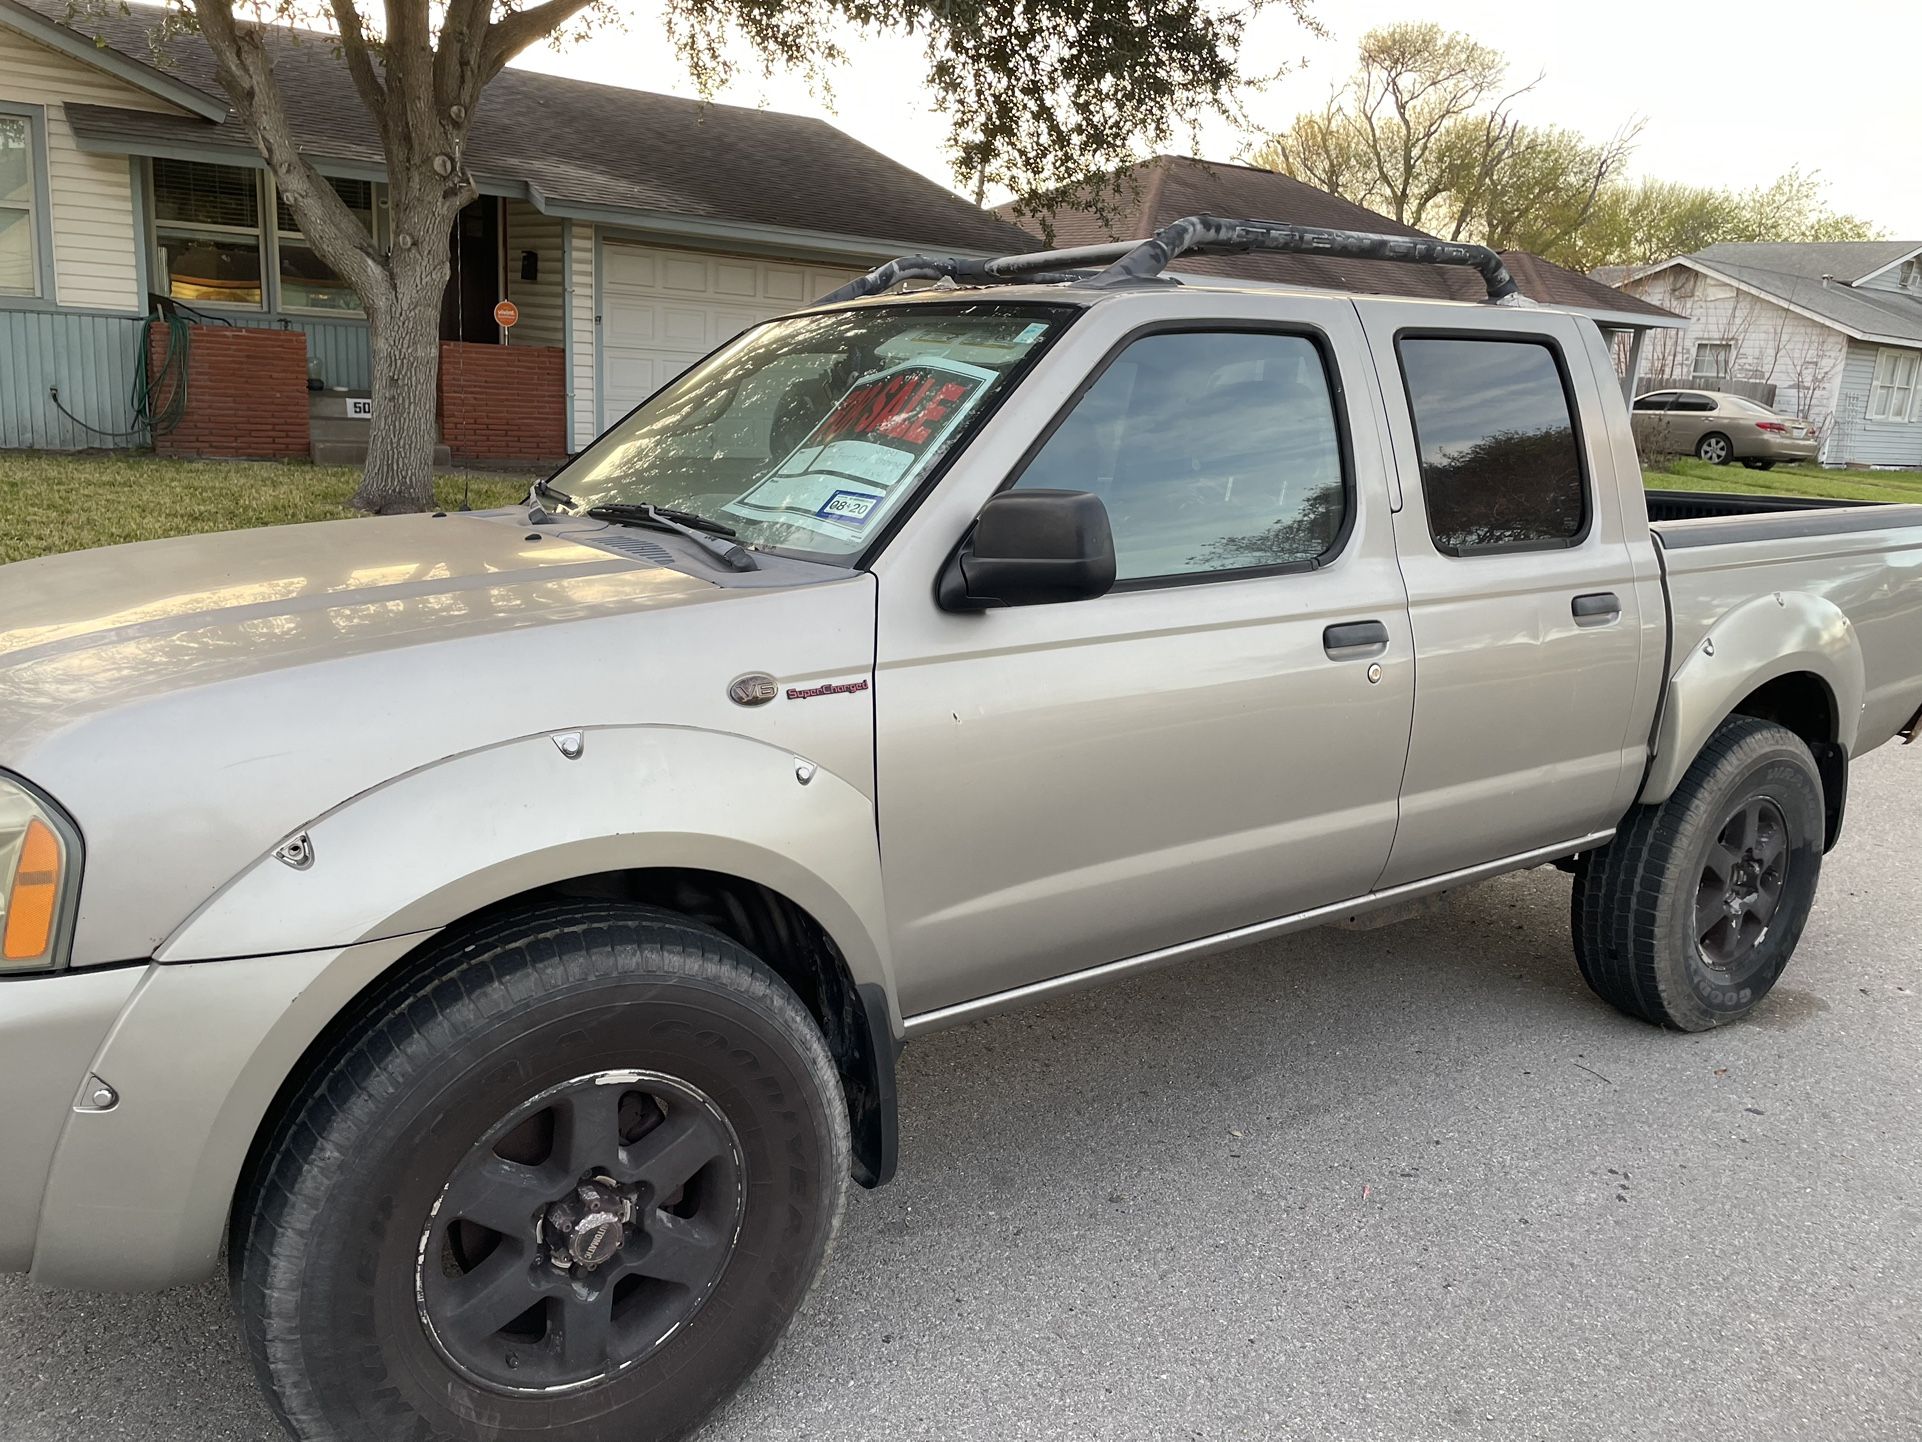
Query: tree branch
(518, 29)
(360, 63)
(246, 73)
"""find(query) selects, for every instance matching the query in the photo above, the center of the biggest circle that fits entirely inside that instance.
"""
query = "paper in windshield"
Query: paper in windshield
(878, 439)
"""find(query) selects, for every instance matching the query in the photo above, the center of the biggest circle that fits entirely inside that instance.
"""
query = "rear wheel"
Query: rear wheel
(1689, 915)
(1715, 449)
(1755, 465)
(570, 1181)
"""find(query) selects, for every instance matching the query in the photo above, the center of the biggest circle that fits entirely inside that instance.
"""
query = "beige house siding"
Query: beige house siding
(580, 289)
(94, 244)
(543, 301)
(1801, 358)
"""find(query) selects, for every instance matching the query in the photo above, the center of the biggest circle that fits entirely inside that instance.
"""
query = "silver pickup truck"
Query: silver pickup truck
(496, 931)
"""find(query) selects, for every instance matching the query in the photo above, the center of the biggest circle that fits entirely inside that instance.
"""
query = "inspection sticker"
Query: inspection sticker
(852, 507)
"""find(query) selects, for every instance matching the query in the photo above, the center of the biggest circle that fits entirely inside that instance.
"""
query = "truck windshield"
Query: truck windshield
(804, 434)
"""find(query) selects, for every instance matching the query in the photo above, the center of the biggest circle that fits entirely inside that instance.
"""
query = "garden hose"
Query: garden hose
(173, 368)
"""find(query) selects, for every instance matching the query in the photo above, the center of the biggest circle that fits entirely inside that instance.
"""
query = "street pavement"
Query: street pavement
(1411, 1183)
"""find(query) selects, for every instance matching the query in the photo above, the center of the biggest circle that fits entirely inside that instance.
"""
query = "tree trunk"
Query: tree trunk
(404, 333)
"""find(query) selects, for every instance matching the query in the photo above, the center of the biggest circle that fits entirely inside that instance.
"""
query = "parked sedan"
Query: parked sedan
(1721, 428)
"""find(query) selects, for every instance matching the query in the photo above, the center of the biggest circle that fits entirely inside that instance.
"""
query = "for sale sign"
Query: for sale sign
(880, 436)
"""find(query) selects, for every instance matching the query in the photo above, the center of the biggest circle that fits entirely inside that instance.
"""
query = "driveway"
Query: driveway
(1415, 1182)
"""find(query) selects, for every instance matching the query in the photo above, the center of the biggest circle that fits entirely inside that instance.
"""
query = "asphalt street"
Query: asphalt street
(1407, 1183)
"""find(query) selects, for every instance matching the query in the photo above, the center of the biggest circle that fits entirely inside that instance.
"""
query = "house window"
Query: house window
(207, 232)
(306, 281)
(22, 205)
(1892, 394)
(213, 246)
(1711, 363)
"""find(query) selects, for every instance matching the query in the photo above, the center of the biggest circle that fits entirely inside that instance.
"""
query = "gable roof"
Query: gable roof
(135, 69)
(1154, 192)
(596, 152)
(1791, 275)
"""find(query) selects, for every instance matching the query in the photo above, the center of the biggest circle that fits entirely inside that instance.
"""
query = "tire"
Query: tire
(647, 1054)
(1715, 448)
(1755, 465)
(1654, 933)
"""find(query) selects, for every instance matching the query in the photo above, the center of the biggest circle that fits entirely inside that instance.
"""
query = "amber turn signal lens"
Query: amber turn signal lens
(35, 890)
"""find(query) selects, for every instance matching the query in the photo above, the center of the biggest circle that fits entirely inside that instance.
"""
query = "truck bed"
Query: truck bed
(1721, 551)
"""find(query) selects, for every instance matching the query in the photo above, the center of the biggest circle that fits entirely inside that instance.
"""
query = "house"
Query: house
(634, 232)
(1149, 195)
(1829, 331)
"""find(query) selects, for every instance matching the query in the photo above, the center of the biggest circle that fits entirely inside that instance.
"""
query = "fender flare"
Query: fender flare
(421, 851)
(1761, 640)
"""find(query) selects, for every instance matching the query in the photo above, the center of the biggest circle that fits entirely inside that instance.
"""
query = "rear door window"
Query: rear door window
(1501, 459)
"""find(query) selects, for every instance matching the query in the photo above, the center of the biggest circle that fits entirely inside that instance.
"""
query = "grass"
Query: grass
(1693, 475)
(52, 503)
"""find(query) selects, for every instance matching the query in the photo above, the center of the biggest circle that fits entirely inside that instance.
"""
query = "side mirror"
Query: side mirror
(1029, 548)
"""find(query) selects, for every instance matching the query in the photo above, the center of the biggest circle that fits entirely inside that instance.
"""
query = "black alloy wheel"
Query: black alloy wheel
(587, 1227)
(1743, 878)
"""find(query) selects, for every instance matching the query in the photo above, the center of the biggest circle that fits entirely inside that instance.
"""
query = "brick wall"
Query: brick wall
(503, 403)
(246, 393)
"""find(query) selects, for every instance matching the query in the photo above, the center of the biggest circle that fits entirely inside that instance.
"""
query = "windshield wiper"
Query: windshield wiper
(553, 493)
(710, 536)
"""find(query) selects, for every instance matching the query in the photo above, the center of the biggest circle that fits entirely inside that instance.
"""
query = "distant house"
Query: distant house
(633, 231)
(1833, 327)
(1149, 195)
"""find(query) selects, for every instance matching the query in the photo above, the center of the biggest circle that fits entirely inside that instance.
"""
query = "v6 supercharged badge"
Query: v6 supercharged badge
(756, 688)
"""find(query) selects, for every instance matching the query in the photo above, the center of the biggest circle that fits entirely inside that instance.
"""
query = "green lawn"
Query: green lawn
(1694, 475)
(52, 503)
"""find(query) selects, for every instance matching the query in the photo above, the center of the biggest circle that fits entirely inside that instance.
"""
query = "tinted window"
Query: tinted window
(1500, 466)
(1660, 401)
(1697, 403)
(1212, 452)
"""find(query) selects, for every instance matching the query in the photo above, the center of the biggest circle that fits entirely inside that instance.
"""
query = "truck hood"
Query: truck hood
(193, 702)
(96, 629)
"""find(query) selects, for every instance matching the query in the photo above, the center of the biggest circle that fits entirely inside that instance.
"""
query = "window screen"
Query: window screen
(1213, 451)
(1500, 463)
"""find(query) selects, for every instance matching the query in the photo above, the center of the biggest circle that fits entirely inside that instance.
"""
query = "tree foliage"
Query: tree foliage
(1425, 131)
(1042, 94)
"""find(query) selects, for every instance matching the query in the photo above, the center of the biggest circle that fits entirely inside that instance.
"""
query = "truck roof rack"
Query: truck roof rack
(1142, 260)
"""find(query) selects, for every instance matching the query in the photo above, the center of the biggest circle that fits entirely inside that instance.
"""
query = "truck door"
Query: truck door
(1217, 741)
(1532, 708)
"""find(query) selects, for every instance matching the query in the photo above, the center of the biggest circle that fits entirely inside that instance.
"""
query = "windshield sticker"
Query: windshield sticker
(882, 432)
(851, 507)
(1031, 333)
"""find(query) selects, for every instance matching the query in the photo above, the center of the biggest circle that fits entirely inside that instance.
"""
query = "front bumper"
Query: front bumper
(138, 1196)
(51, 1027)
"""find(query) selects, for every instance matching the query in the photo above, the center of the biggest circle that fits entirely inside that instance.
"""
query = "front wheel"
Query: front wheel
(1688, 916)
(570, 1181)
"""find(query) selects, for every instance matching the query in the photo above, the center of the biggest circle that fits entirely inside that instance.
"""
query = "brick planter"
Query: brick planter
(246, 393)
(503, 403)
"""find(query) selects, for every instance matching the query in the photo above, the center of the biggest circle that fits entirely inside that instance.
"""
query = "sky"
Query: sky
(1731, 94)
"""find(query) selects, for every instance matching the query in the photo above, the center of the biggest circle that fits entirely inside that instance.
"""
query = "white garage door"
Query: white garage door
(662, 310)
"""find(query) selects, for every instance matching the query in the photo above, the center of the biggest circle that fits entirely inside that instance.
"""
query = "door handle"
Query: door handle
(1596, 608)
(1354, 638)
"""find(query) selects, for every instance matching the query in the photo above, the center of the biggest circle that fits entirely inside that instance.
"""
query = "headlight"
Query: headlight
(40, 871)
